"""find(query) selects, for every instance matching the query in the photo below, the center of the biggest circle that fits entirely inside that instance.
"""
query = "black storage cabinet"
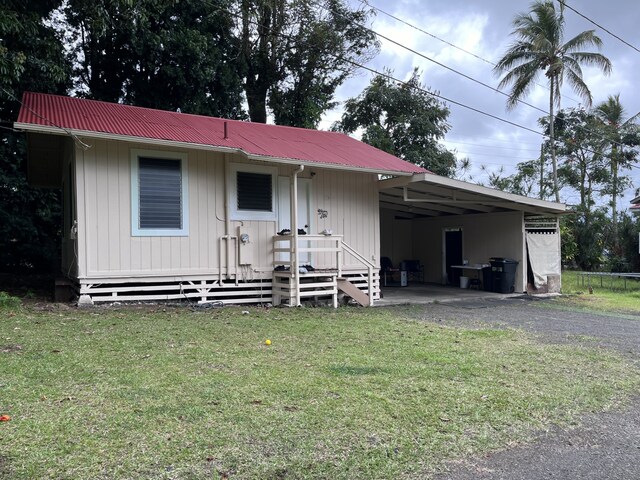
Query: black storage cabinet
(503, 274)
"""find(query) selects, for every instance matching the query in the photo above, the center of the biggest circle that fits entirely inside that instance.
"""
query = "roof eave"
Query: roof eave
(30, 127)
(536, 204)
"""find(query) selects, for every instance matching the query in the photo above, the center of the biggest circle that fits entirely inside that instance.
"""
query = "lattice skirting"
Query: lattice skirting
(200, 290)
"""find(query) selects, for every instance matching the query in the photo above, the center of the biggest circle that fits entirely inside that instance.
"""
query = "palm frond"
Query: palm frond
(517, 54)
(584, 39)
(592, 59)
(578, 85)
(521, 79)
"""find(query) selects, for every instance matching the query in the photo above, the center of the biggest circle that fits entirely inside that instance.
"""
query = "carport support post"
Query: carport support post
(295, 274)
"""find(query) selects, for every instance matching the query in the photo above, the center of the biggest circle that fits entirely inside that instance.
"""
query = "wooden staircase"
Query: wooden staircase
(292, 283)
(348, 288)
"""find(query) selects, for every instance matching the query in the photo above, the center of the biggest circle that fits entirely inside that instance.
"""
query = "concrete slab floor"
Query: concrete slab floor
(423, 293)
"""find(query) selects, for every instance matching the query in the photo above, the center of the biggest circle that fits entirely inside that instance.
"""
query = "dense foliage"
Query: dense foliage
(31, 58)
(205, 57)
(401, 119)
(595, 153)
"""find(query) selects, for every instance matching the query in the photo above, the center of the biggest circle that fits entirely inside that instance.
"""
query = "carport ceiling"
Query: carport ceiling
(429, 195)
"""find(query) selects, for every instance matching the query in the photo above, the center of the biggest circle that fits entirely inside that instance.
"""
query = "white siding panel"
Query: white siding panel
(104, 212)
(113, 199)
(127, 249)
(483, 236)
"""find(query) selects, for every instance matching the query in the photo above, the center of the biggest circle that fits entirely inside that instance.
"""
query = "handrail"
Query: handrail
(339, 249)
(358, 255)
(370, 266)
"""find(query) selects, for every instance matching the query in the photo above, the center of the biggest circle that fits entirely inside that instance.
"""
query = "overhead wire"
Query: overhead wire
(415, 87)
(434, 36)
(455, 71)
(451, 69)
(75, 138)
(566, 5)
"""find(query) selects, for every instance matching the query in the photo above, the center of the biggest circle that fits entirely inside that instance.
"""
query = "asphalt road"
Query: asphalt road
(605, 446)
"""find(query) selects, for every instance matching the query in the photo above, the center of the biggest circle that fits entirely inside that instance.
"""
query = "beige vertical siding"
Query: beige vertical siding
(107, 248)
(397, 238)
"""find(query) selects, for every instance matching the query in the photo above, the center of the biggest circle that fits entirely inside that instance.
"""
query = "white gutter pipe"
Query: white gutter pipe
(294, 231)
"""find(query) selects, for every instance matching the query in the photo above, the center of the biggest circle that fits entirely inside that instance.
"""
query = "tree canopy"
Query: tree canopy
(401, 119)
(31, 58)
(158, 54)
(296, 53)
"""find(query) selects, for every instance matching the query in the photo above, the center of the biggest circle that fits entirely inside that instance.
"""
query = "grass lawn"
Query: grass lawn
(608, 296)
(154, 392)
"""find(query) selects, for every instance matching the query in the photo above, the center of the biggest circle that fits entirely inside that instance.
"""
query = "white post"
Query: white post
(294, 232)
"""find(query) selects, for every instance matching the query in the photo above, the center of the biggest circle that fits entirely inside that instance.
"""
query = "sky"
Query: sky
(483, 28)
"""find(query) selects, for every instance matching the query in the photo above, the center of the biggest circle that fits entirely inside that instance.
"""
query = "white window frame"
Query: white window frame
(232, 180)
(136, 231)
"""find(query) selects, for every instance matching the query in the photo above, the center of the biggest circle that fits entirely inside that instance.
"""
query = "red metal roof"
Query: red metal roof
(290, 143)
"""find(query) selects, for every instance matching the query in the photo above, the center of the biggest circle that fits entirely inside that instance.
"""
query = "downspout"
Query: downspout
(294, 227)
(227, 225)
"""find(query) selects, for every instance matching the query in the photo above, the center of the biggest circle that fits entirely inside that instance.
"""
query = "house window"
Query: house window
(159, 198)
(253, 192)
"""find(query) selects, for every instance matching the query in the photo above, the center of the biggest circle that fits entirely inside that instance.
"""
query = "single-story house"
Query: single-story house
(164, 205)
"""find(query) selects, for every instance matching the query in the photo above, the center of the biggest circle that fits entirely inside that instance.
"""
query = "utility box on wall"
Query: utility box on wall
(245, 246)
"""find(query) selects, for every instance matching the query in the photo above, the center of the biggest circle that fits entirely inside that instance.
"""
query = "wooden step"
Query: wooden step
(344, 285)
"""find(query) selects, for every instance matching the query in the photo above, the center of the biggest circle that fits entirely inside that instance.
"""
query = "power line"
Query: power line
(428, 92)
(83, 145)
(398, 19)
(437, 95)
(451, 69)
(366, 2)
(485, 154)
(563, 3)
(494, 146)
(391, 77)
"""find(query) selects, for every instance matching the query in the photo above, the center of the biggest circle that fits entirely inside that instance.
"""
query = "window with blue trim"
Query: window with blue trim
(159, 194)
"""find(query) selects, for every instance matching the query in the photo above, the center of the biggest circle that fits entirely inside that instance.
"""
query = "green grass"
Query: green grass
(355, 393)
(608, 296)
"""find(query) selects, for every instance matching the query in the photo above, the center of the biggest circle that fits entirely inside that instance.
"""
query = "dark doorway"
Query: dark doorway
(453, 254)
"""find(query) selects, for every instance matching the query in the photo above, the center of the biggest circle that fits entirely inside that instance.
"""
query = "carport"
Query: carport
(442, 222)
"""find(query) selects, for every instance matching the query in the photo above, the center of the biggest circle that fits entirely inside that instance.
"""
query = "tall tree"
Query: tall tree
(295, 53)
(580, 146)
(540, 47)
(158, 53)
(401, 119)
(621, 135)
(31, 58)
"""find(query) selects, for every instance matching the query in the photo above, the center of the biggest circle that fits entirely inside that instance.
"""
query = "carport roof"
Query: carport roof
(429, 195)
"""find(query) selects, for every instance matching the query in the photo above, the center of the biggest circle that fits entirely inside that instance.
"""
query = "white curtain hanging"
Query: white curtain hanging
(544, 256)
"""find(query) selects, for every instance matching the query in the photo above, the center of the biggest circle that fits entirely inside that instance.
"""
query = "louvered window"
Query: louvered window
(255, 191)
(252, 192)
(159, 194)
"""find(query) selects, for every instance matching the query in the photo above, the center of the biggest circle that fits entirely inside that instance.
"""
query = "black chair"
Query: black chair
(387, 269)
(415, 270)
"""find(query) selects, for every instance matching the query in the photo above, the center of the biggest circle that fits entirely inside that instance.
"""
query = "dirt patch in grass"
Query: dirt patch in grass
(11, 348)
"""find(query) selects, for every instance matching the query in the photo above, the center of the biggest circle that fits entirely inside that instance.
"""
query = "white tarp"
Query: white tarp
(544, 256)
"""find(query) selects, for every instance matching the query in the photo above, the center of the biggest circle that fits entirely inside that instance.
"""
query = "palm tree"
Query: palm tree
(619, 132)
(539, 47)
